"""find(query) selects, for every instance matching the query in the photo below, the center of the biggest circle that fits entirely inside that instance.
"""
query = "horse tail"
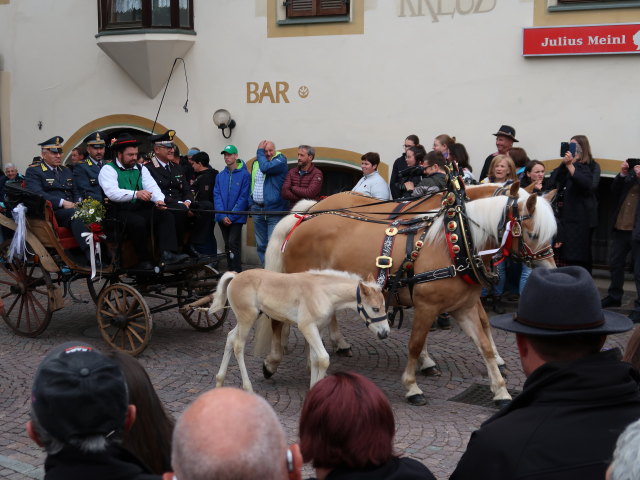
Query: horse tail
(273, 254)
(220, 297)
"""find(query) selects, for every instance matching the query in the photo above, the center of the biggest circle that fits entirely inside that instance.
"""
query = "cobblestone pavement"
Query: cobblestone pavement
(182, 363)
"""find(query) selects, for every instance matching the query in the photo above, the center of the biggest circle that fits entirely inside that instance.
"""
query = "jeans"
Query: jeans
(232, 235)
(526, 271)
(263, 226)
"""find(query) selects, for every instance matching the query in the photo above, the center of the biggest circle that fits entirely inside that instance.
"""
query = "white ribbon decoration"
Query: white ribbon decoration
(18, 245)
(504, 241)
(93, 250)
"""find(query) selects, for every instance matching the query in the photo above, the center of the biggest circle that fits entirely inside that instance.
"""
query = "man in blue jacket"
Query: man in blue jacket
(267, 176)
(85, 174)
(231, 194)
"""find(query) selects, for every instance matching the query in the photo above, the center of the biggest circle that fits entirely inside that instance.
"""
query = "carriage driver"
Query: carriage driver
(139, 203)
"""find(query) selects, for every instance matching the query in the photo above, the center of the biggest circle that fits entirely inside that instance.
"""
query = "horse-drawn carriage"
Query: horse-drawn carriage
(35, 285)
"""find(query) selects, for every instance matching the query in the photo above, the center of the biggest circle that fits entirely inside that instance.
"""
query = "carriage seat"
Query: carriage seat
(65, 235)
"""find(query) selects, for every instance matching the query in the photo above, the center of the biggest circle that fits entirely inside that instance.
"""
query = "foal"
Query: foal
(308, 299)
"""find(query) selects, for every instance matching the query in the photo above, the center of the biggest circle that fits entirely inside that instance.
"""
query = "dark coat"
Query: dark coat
(172, 182)
(564, 424)
(202, 186)
(619, 190)
(114, 464)
(398, 165)
(296, 186)
(85, 179)
(397, 469)
(53, 186)
(578, 211)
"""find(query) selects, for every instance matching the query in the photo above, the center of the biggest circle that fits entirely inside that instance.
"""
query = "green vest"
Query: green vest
(128, 179)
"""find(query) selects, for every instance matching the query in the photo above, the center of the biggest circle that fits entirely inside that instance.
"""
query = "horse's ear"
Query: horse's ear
(514, 189)
(550, 195)
(531, 204)
(370, 278)
(529, 188)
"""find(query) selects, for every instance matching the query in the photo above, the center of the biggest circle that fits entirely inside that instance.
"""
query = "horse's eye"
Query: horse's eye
(375, 309)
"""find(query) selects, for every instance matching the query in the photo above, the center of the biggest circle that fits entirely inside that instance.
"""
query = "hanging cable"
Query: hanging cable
(185, 108)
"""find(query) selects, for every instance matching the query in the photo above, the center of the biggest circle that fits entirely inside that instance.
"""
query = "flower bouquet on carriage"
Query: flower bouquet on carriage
(91, 212)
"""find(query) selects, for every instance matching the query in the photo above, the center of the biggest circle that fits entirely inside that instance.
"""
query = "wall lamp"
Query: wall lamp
(222, 119)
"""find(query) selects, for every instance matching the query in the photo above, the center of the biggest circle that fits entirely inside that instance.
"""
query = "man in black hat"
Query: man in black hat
(55, 183)
(85, 174)
(577, 398)
(165, 169)
(79, 411)
(505, 137)
(139, 204)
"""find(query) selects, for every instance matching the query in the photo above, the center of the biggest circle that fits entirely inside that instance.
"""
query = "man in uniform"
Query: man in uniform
(166, 171)
(85, 174)
(139, 203)
(54, 182)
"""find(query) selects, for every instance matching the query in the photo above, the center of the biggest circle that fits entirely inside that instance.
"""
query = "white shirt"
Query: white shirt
(374, 186)
(108, 180)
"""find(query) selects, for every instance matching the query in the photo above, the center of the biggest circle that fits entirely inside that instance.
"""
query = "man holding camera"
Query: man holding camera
(625, 236)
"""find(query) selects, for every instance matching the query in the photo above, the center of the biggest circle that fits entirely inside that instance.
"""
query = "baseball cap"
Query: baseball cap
(77, 391)
(229, 149)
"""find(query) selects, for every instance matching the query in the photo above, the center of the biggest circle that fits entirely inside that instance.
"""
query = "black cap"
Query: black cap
(123, 141)
(506, 131)
(561, 301)
(165, 138)
(54, 144)
(77, 391)
(96, 139)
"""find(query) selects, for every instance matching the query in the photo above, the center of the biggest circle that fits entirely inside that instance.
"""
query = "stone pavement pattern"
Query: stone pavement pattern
(182, 363)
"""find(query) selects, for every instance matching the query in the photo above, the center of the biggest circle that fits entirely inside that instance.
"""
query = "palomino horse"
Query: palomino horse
(307, 299)
(343, 242)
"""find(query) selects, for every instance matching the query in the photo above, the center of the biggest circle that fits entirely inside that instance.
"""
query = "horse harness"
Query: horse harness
(368, 320)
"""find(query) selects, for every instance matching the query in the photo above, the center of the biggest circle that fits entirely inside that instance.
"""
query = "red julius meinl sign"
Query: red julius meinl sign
(582, 40)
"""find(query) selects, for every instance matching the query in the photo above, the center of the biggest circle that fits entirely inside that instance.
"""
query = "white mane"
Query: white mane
(485, 215)
(343, 274)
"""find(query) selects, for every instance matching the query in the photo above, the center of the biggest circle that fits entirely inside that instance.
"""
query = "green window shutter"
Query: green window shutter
(315, 8)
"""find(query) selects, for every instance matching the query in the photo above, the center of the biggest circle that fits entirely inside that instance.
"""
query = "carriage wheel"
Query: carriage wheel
(203, 281)
(124, 318)
(24, 290)
(201, 320)
(98, 284)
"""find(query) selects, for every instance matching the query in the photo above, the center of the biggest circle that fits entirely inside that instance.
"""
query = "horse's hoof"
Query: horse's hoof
(501, 403)
(266, 372)
(344, 352)
(431, 371)
(503, 370)
(417, 400)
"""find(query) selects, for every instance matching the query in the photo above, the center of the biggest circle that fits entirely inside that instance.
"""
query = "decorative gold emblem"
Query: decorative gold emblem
(97, 137)
(419, 244)
(57, 141)
(391, 231)
(414, 255)
(516, 229)
(456, 249)
(452, 226)
(451, 198)
(451, 213)
(171, 134)
(454, 238)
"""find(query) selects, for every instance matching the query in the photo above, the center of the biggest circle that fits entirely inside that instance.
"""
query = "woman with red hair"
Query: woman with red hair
(347, 429)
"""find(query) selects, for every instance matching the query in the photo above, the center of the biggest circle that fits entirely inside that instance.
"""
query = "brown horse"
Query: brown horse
(343, 242)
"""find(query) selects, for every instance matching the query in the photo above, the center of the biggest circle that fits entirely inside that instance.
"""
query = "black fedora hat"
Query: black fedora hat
(123, 141)
(507, 131)
(561, 301)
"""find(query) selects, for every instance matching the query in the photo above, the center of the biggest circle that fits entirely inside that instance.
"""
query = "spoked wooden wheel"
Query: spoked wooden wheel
(203, 281)
(24, 288)
(98, 284)
(124, 318)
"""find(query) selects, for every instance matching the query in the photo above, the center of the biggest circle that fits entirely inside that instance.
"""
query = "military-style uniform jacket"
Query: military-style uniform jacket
(54, 185)
(171, 181)
(85, 179)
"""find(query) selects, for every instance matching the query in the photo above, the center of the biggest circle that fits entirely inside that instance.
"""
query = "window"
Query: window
(316, 8)
(130, 14)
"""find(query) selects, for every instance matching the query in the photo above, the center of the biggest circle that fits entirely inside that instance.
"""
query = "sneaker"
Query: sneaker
(609, 301)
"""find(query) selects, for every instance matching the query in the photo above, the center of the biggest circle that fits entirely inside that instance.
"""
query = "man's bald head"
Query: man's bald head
(229, 433)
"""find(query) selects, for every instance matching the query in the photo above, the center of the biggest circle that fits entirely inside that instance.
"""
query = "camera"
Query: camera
(411, 171)
(632, 162)
(568, 147)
